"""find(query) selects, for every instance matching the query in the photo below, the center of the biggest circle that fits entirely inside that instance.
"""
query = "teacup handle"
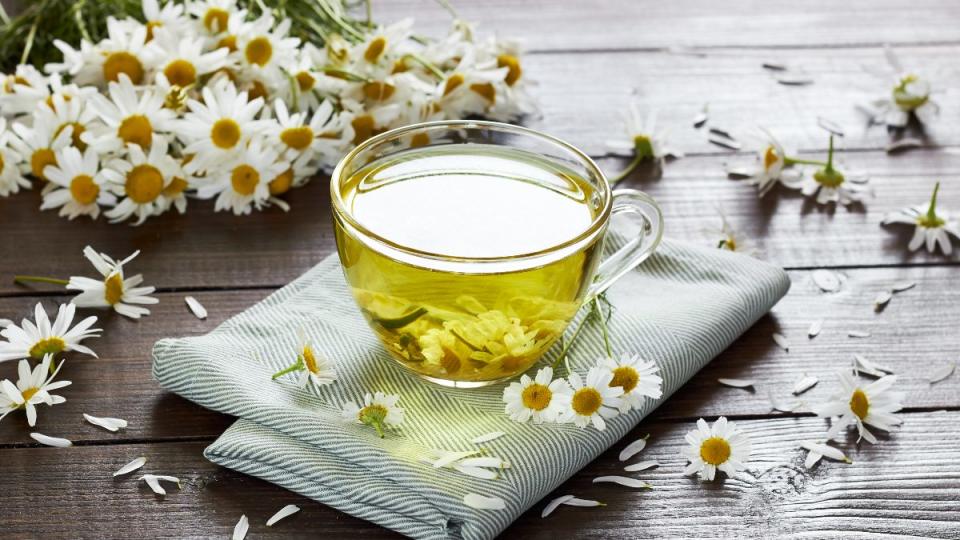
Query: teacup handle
(647, 214)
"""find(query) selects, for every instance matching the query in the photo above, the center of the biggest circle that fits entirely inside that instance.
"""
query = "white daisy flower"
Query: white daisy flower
(212, 15)
(264, 48)
(34, 340)
(124, 50)
(305, 82)
(140, 180)
(33, 388)
(182, 59)
(910, 95)
(123, 295)
(299, 172)
(220, 126)
(169, 17)
(321, 137)
(829, 184)
(730, 240)
(76, 114)
(39, 144)
(11, 177)
(25, 90)
(637, 377)
(379, 410)
(932, 229)
(644, 140)
(772, 166)
(77, 184)
(365, 123)
(722, 446)
(379, 52)
(127, 118)
(244, 182)
(24, 77)
(312, 367)
(469, 88)
(870, 405)
(541, 398)
(595, 400)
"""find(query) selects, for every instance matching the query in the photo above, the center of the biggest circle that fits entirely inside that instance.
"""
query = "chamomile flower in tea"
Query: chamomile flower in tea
(37, 339)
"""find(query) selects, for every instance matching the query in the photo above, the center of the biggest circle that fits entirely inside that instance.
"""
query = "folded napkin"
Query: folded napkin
(681, 308)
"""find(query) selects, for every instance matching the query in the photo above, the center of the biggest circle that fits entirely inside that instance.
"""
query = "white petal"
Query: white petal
(866, 367)
(804, 384)
(736, 383)
(941, 373)
(827, 281)
(858, 334)
(483, 503)
(825, 450)
(781, 341)
(633, 448)
(552, 505)
(56, 442)
(904, 144)
(109, 424)
(130, 467)
(196, 307)
(642, 466)
(783, 406)
(241, 528)
(447, 458)
(488, 437)
(623, 481)
(881, 300)
(903, 286)
(286, 511)
(584, 503)
(153, 480)
(815, 328)
(477, 472)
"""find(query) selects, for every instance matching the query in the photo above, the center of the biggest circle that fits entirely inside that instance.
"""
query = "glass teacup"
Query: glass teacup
(469, 246)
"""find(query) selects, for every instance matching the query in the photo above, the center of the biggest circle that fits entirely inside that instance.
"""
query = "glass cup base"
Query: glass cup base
(463, 384)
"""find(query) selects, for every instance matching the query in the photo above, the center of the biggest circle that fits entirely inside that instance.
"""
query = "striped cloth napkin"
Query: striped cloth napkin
(680, 309)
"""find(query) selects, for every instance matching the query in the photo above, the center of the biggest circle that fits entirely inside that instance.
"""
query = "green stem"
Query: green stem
(29, 43)
(829, 166)
(298, 366)
(603, 326)
(798, 161)
(333, 71)
(932, 210)
(437, 72)
(637, 158)
(369, 14)
(447, 6)
(568, 344)
(39, 279)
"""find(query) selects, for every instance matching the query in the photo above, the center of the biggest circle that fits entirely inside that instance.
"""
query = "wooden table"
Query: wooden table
(587, 56)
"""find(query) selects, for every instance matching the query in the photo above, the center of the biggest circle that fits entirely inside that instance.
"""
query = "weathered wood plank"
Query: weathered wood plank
(907, 337)
(905, 485)
(621, 24)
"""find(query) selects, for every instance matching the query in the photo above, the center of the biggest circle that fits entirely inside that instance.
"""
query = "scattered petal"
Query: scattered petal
(815, 328)
(781, 341)
(493, 435)
(819, 450)
(858, 334)
(56, 442)
(109, 424)
(446, 458)
(881, 300)
(241, 528)
(130, 467)
(699, 120)
(736, 383)
(804, 384)
(196, 307)
(941, 373)
(830, 126)
(642, 466)
(903, 286)
(723, 133)
(286, 511)
(552, 505)
(623, 481)
(905, 143)
(633, 448)
(866, 367)
(583, 503)
(483, 503)
(153, 480)
(783, 406)
(827, 281)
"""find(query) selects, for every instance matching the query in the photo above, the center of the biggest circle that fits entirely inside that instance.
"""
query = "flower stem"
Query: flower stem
(603, 326)
(437, 72)
(39, 279)
(297, 366)
(932, 210)
(829, 165)
(797, 161)
(637, 158)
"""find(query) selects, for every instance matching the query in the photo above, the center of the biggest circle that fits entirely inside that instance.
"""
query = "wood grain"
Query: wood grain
(914, 473)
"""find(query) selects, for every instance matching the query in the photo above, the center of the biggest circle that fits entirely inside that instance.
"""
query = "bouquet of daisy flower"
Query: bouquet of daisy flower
(209, 100)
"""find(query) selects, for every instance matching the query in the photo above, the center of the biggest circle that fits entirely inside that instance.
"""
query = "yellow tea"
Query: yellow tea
(448, 313)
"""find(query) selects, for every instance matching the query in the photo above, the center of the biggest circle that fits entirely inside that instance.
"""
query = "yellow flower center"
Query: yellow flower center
(122, 62)
(378, 90)
(715, 451)
(83, 189)
(375, 49)
(50, 345)
(2, 163)
(305, 81)
(281, 184)
(372, 414)
(175, 187)
(259, 51)
(258, 90)
(78, 130)
(536, 397)
(770, 158)
(363, 128)
(453, 82)
(113, 289)
(39, 161)
(420, 139)
(244, 179)
(297, 138)
(136, 129)
(180, 72)
(29, 393)
(225, 133)
(399, 66)
(144, 184)
(310, 360)
(151, 25)
(486, 90)
(859, 403)
(586, 401)
(512, 64)
(228, 42)
(625, 377)
(215, 20)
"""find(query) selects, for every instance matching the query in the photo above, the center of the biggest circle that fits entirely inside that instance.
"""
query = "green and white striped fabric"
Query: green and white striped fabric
(680, 309)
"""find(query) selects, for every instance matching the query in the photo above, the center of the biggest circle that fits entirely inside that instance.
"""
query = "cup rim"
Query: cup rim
(341, 212)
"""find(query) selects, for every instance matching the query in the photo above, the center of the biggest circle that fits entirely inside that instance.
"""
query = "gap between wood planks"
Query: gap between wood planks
(705, 49)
